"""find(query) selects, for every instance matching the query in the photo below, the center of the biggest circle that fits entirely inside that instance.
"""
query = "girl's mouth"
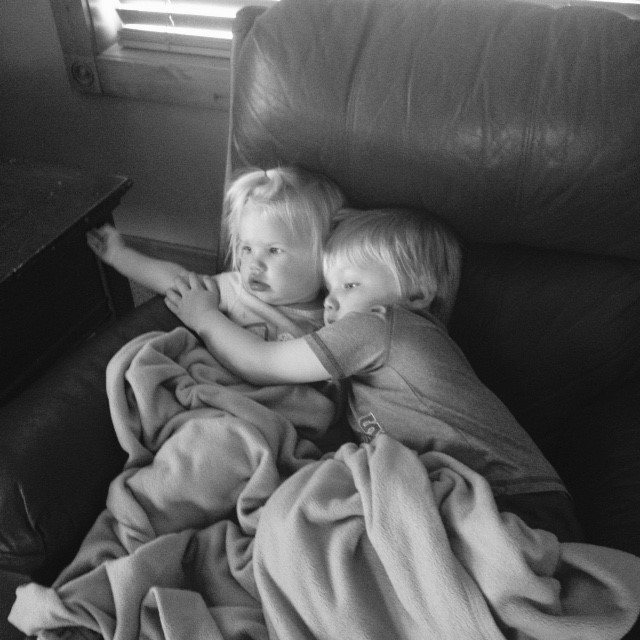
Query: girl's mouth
(257, 285)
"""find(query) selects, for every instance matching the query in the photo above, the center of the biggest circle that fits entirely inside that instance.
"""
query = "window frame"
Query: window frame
(97, 64)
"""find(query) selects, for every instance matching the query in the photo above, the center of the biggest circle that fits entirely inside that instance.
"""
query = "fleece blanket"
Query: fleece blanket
(227, 523)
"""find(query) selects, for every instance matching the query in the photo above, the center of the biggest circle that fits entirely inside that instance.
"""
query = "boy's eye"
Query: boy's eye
(350, 285)
(275, 251)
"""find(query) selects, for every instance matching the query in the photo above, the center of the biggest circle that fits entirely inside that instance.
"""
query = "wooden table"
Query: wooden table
(53, 291)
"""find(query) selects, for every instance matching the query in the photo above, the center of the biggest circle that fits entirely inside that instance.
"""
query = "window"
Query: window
(201, 27)
(166, 50)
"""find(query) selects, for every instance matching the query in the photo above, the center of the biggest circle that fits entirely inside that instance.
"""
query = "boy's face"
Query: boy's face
(276, 266)
(354, 288)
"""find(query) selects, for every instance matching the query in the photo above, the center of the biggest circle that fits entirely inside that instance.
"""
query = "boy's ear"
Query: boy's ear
(418, 302)
(379, 308)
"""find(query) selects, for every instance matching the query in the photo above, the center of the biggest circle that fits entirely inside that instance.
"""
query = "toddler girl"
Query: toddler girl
(276, 223)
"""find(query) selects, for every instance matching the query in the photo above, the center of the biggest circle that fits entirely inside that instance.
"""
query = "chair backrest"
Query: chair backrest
(517, 123)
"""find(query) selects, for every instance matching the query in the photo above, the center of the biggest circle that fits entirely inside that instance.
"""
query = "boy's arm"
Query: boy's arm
(241, 351)
(157, 275)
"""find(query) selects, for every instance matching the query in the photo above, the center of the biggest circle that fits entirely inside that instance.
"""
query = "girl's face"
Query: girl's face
(276, 266)
(354, 288)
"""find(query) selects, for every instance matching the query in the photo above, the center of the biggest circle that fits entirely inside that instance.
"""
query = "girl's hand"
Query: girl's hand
(106, 242)
(193, 300)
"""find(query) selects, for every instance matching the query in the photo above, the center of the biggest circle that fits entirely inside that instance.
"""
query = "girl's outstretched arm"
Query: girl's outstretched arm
(157, 275)
(241, 351)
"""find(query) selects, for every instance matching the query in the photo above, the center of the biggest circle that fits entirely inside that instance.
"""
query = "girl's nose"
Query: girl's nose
(257, 264)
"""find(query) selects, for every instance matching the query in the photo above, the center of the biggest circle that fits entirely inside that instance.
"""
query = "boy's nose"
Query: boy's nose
(330, 302)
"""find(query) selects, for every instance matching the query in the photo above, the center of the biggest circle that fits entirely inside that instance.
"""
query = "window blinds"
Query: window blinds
(201, 27)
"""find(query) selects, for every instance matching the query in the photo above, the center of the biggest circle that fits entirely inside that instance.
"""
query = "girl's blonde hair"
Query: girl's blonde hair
(423, 252)
(305, 202)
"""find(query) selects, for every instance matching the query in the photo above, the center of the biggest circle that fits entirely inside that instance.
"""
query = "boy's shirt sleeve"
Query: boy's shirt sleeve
(357, 343)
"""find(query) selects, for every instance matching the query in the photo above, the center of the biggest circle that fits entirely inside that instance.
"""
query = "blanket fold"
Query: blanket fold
(382, 543)
(227, 523)
(205, 452)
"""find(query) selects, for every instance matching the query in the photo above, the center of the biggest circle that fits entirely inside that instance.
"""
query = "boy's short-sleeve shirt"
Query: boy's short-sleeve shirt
(269, 322)
(410, 380)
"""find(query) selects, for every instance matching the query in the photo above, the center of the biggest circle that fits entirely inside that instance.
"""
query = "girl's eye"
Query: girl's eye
(275, 251)
(245, 249)
(350, 285)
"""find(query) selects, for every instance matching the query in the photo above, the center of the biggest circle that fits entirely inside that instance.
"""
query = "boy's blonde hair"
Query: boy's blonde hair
(305, 202)
(423, 252)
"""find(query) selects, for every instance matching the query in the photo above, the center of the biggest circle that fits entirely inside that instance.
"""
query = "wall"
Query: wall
(174, 154)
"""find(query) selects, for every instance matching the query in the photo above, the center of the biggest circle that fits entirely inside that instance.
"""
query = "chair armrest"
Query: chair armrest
(600, 466)
(58, 451)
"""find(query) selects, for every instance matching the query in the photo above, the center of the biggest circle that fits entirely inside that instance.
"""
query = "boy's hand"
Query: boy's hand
(209, 283)
(193, 299)
(106, 242)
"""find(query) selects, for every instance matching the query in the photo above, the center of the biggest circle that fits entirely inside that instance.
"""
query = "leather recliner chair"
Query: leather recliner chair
(517, 123)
